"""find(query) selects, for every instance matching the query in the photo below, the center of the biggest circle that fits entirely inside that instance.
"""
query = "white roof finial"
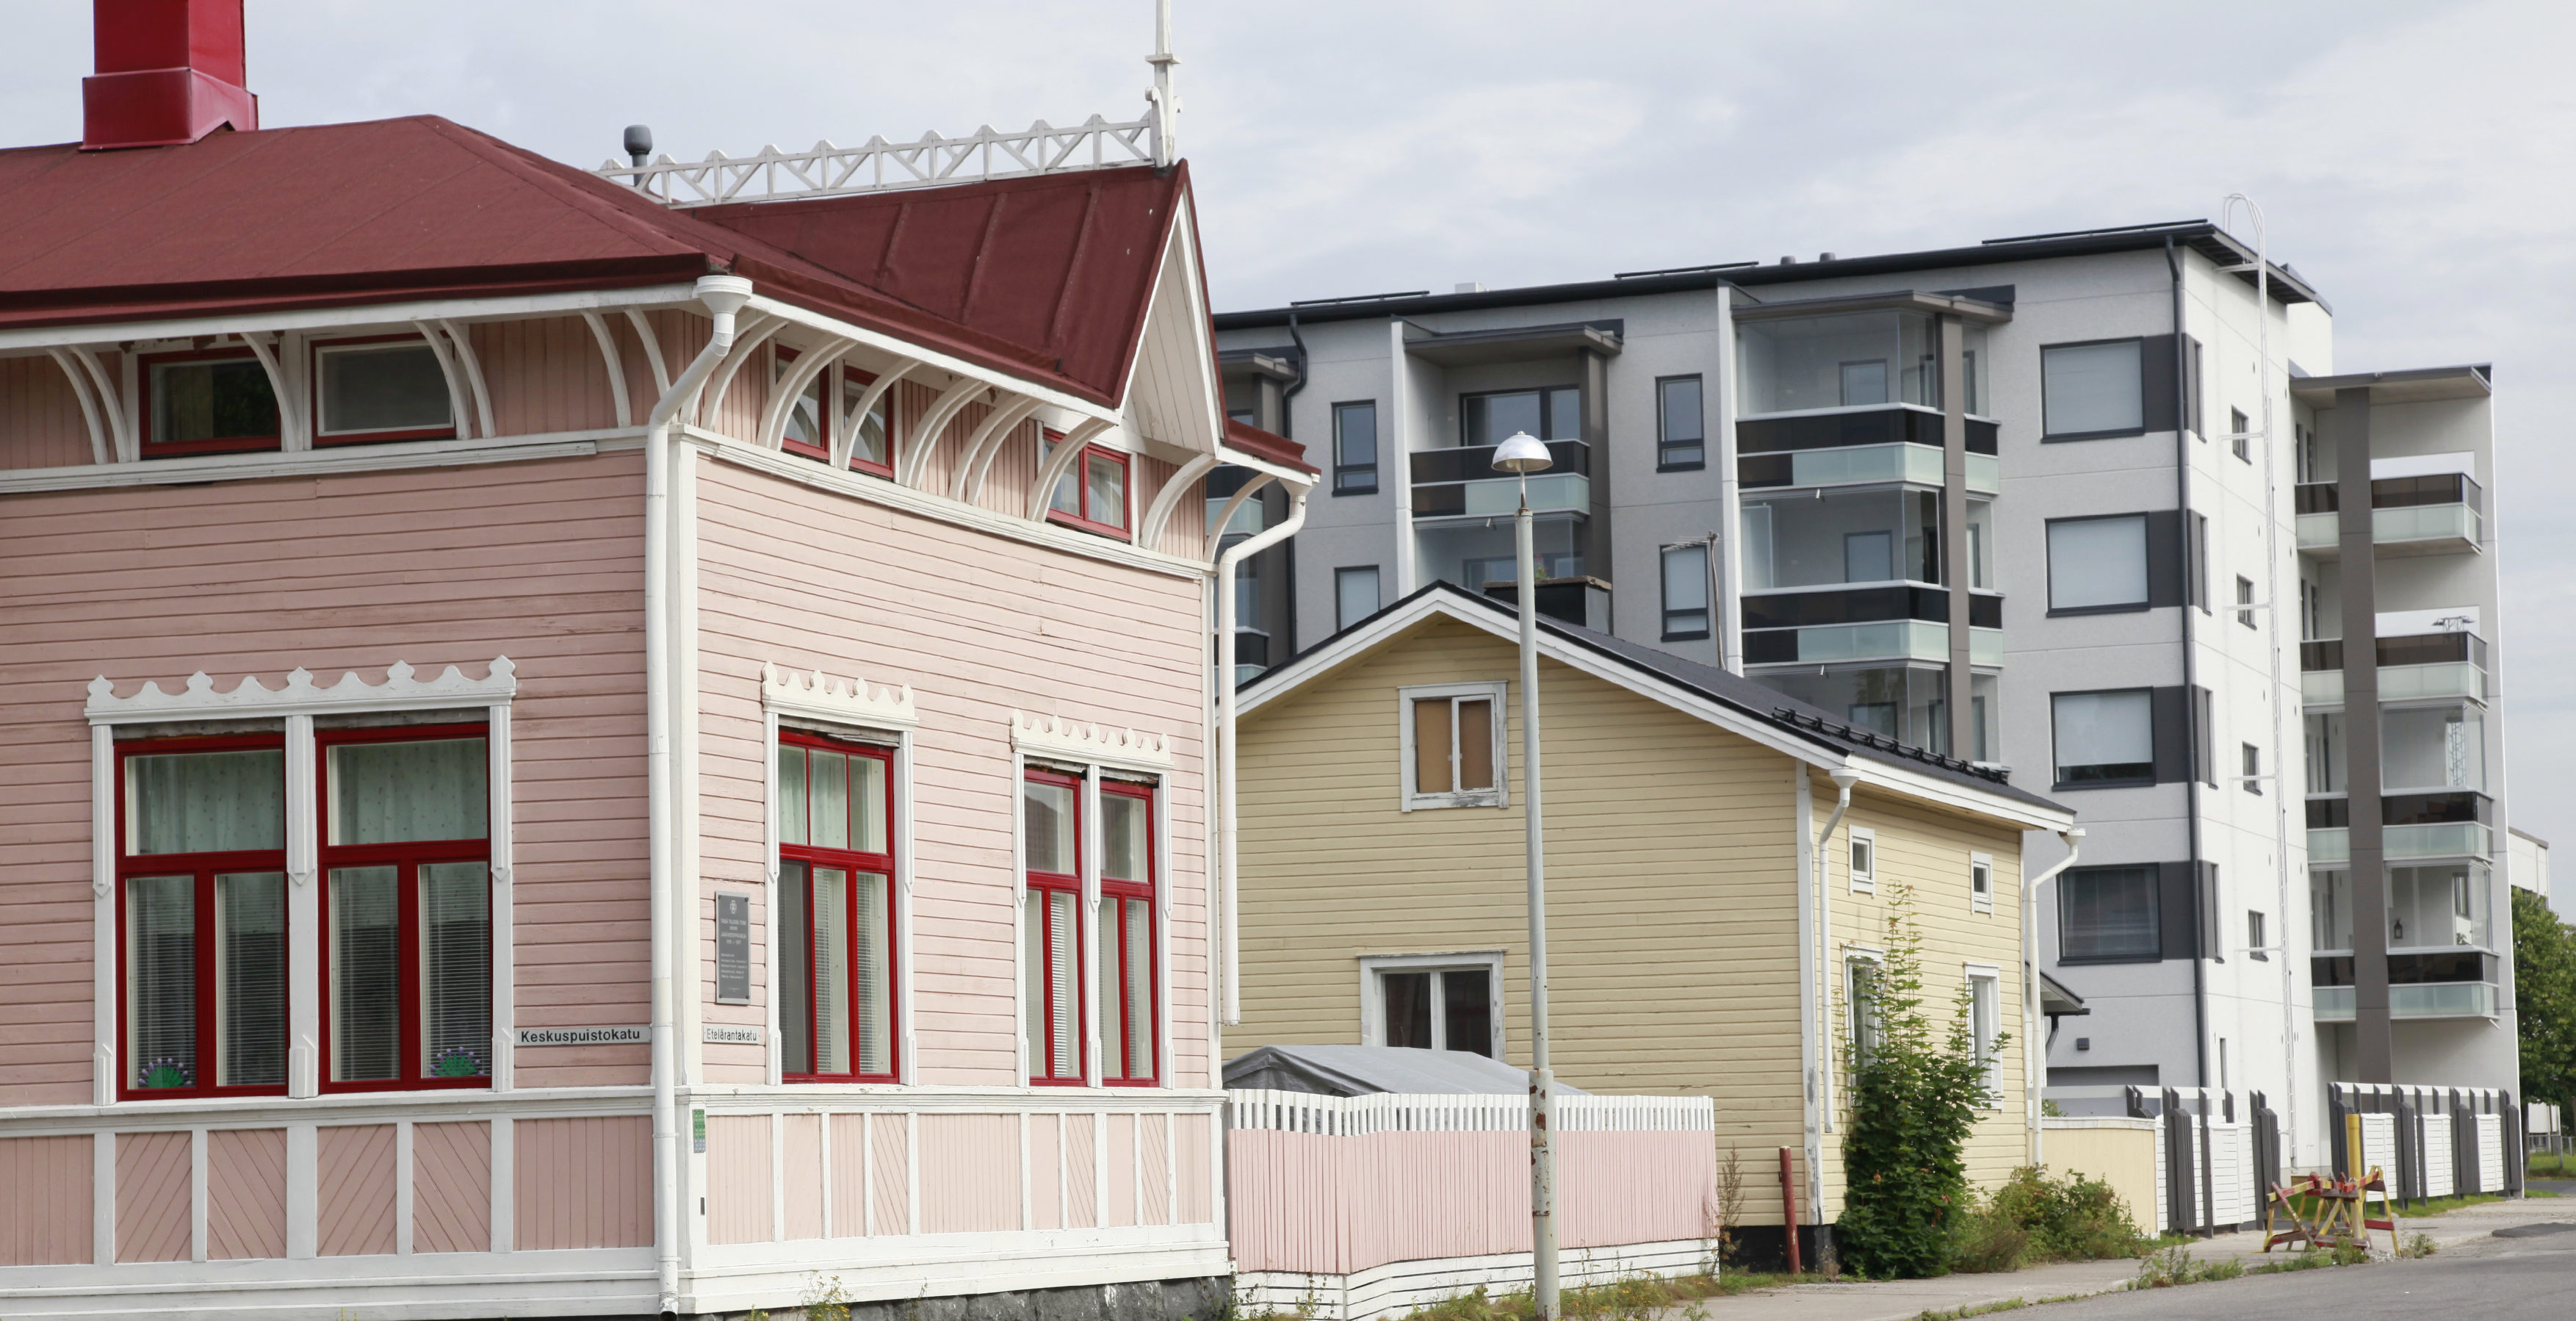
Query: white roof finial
(1167, 107)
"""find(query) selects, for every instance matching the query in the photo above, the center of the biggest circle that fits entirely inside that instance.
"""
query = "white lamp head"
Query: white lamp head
(1523, 454)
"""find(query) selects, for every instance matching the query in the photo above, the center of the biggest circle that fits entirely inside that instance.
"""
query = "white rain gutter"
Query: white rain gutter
(722, 295)
(2034, 1063)
(1225, 687)
(1823, 871)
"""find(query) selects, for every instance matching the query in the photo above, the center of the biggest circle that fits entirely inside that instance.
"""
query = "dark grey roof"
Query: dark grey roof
(2198, 235)
(1360, 1070)
(1813, 724)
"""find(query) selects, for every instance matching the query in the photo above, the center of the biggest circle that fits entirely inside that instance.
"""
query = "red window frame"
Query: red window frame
(1114, 1035)
(823, 385)
(1081, 516)
(1041, 885)
(885, 401)
(407, 857)
(202, 866)
(153, 447)
(855, 861)
(323, 440)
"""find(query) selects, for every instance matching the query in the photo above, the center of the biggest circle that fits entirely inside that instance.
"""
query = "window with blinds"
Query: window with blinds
(202, 909)
(406, 907)
(1051, 831)
(836, 937)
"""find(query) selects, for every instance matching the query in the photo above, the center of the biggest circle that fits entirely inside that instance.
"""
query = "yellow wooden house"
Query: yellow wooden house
(1706, 933)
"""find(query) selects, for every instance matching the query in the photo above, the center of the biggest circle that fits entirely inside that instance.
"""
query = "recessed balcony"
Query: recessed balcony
(2439, 514)
(2412, 668)
(1839, 447)
(2334, 1004)
(2445, 839)
(1460, 482)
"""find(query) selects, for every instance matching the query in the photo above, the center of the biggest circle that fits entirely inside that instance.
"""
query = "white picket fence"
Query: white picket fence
(1393, 1112)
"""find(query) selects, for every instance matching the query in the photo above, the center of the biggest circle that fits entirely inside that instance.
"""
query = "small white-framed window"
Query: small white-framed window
(1861, 1020)
(1981, 883)
(1863, 860)
(1985, 1024)
(1453, 745)
(1441, 1001)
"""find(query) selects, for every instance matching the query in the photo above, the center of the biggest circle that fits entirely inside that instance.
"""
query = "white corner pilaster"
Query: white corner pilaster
(102, 885)
(303, 1175)
(505, 1185)
(500, 821)
(303, 912)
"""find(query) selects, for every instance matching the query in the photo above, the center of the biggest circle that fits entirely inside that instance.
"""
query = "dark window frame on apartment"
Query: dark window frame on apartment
(2238, 427)
(2103, 779)
(1349, 477)
(1670, 448)
(2252, 781)
(2086, 942)
(2111, 433)
(2147, 564)
(2245, 600)
(1347, 574)
(1547, 419)
(1685, 623)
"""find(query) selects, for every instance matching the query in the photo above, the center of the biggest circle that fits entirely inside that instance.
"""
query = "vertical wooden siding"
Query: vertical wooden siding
(970, 1173)
(451, 1187)
(892, 1146)
(1081, 1172)
(583, 1183)
(354, 1204)
(47, 1203)
(41, 424)
(1046, 1181)
(979, 627)
(1192, 1146)
(1120, 1170)
(538, 561)
(738, 1178)
(545, 374)
(849, 1173)
(245, 1193)
(154, 1186)
(1672, 887)
(804, 1175)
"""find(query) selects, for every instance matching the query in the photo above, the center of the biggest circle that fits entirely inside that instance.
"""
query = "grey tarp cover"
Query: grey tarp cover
(1360, 1070)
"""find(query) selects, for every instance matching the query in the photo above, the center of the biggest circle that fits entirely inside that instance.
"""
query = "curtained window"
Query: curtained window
(1051, 826)
(836, 938)
(201, 897)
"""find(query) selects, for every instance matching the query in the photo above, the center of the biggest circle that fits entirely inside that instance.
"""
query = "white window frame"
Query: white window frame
(862, 713)
(1373, 967)
(1856, 957)
(321, 404)
(1861, 839)
(1984, 1032)
(1053, 743)
(1981, 900)
(1411, 799)
(295, 703)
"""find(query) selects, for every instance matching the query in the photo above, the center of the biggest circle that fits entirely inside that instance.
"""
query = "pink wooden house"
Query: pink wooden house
(568, 755)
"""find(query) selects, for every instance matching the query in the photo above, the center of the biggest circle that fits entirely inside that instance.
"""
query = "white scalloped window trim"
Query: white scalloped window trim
(816, 697)
(1054, 736)
(402, 690)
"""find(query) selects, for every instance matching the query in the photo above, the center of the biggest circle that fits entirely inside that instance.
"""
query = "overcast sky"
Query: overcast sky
(2414, 159)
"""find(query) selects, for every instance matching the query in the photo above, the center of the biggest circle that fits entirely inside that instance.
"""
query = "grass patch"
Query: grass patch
(2176, 1266)
(2341, 1254)
(2551, 1165)
(2445, 1205)
(1627, 1298)
(1975, 1309)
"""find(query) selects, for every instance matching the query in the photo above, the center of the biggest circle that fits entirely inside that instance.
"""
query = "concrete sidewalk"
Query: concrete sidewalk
(1905, 1300)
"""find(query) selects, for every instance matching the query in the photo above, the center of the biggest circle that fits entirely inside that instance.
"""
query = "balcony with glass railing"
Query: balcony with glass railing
(2442, 1000)
(2412, 668)
(1459, 482)
(1874, 621)
(1849, 446)
(2439, 513)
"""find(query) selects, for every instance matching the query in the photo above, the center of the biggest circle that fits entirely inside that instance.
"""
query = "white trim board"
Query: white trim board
(199, 699)
(1095, 745)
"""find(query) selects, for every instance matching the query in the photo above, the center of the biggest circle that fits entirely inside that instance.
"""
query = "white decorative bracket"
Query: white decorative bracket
(812, 695)
(300, 695)
(1054, 736)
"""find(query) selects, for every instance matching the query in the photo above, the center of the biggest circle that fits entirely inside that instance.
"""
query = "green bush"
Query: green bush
(2033, 1218)
(1914, 1098)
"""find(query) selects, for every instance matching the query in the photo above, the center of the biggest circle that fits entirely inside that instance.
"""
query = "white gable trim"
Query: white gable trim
(1880, 774)
(1176, 276)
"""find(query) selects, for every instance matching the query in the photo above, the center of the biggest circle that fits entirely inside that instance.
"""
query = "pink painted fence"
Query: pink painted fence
(1333, 1185)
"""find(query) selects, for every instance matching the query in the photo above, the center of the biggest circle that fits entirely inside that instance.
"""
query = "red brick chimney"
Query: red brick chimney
(169, 72)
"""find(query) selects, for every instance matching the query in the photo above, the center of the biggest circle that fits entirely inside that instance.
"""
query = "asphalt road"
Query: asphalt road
(2528, 1272)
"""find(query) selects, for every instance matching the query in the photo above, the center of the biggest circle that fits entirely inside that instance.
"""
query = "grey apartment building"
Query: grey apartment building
(2025, 504)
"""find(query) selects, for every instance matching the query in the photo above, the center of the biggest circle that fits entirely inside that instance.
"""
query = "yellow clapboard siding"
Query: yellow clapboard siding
(1672, 890)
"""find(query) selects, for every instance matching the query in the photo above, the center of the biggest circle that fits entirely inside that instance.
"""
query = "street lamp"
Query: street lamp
(1520, 456)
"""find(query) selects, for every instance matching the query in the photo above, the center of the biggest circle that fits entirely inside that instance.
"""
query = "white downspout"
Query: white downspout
(1225, 685)
(1843, 779)
(722, 295)
(2034, 1063)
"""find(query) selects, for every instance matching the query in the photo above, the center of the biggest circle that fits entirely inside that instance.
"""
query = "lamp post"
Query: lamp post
(1520, 456)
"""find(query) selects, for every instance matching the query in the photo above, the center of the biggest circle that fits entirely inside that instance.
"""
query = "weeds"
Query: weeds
(1627, 1298)
(1729, 1210)
(824, 1299)
(1975, 1309)
(2175, 1266)
(2317, 1258)
(2032, 1218)
(2416, 1245)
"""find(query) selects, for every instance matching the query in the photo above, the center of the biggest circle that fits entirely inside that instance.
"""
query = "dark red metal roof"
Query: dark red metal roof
(1046, 278)
(1267, 444)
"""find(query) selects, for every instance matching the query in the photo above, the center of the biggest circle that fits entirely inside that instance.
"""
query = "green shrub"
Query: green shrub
(1914, 1099)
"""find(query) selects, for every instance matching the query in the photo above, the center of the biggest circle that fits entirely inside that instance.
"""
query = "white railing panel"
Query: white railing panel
(877, 165)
